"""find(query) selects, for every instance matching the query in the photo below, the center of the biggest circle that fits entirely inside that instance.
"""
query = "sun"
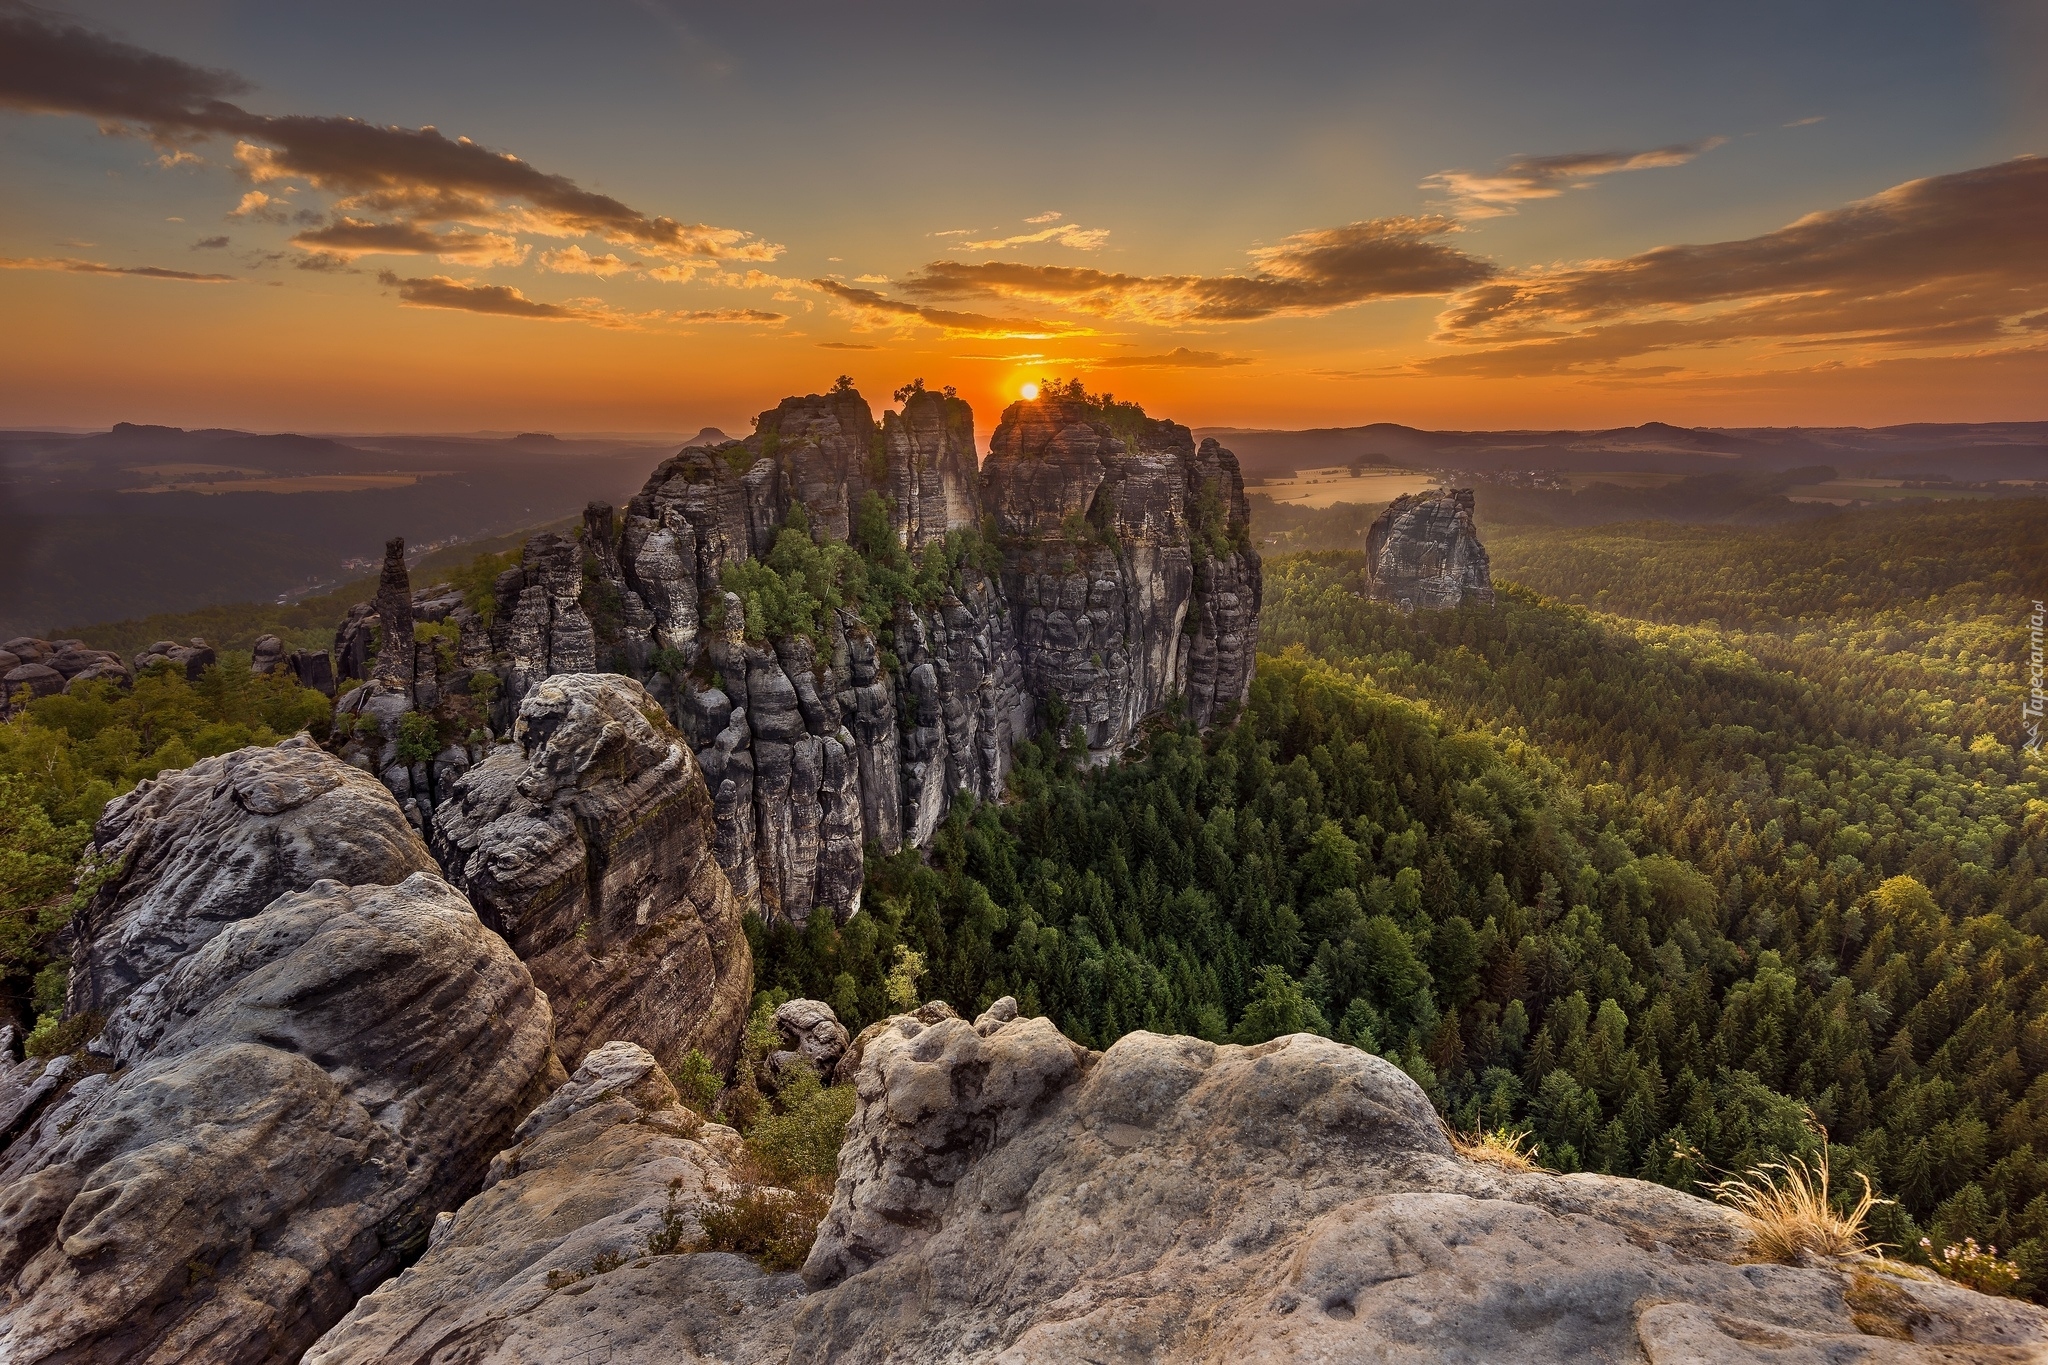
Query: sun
(1030, 391)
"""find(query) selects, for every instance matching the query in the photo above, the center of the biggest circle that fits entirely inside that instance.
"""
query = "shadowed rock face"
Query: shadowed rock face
(1424, 552)
(592, 1173)
(588, 842)
(1128, 565)
(293, 1076)
(1006, 1196)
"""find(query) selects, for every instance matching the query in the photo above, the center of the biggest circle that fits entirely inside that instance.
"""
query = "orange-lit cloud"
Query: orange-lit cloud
(1545, 177)
(1317, 271)
(501, 300)
(868, 308)
(352, 237)
(730, 315)
(1947, 261)
(574, 260)
(77, 267)
(1179, 358)
(1066, 234)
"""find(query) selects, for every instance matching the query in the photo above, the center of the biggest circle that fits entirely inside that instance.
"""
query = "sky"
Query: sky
(651, 215)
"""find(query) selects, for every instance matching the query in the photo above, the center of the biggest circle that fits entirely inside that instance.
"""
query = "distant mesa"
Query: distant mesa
(1424, 551)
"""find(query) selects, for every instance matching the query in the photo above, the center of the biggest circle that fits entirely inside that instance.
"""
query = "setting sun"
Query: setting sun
(1029, 391)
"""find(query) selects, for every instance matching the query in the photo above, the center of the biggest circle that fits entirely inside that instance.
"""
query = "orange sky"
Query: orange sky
(191, 248)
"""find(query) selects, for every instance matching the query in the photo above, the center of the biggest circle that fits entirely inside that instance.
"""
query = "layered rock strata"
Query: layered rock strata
(1423, 552)
(551, 1262)
(1006, 1196)
(588, 842)
(292, 1074)
(1119, 578)
(1127, 561)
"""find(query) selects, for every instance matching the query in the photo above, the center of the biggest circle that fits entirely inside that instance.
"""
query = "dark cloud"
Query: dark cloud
(76, 267)
(327, 263)
(420, 175)
(848, 346)
(209, 243)
(1180, 357)
(869, 306)
(1545, 177)
(354, 237)
(1951, 260)
(501, 300)
(1318, 271)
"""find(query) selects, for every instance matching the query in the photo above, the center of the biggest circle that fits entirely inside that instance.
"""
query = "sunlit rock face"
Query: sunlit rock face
(589, 843)
(1096, 569)
(304, 1045)
(1424, 553)
(1128, 565)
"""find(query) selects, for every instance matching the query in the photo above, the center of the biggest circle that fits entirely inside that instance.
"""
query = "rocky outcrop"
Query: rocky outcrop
(201, 847)
(1124, 580)
(552, 1261)
(588, 843)
(195, 657)
(394, 615)
(1128, 564)
(1424, 552)
(267, 655)
(292, 1074)
(1006, 1196)
(811, 1036)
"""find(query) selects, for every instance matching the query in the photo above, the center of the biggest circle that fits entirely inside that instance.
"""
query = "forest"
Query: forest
(1704, 846)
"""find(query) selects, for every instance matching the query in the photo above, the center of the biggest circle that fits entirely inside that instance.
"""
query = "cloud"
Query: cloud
(353, 237)
(1307, 273)
(1049, 216)
(77, 267)
(259, 207)
(1545, 177)
(1180, 357)
(1957, 260)
(869, 308)
(209, 243)
(419, 175)
(870, 279)
(949, 232)
(326, 262)
(730, 315)
(501, 300)
(1066, 234)
(1806, 122)
(847, 346)
(574, 260)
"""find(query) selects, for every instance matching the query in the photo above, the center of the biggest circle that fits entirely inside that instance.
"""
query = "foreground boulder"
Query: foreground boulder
(202, 846)
(1424, 552)
(1006, 1196)
(294, 1102)
(588, 843)
(291, 1074)
(552, 1262)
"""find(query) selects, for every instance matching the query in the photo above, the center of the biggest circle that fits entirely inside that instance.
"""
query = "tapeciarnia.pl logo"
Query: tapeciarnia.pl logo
(2030, 711)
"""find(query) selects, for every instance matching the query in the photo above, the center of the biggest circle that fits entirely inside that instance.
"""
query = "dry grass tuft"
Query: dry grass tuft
(1786, 1206)
(1511, 1151)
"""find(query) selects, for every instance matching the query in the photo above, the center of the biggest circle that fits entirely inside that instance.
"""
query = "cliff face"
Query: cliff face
(1424, 551)
(1127, 558)
(1119, 576)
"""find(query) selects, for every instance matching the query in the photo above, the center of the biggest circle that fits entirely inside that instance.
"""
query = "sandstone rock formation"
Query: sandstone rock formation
(293, 1074)
(811, 1035)
(1006, 1196)
(1423, 552)
(45, 667)
(1126, 579)
(267, 655)
(588, 843)
(195, 656)
(550, 1263)
(1127, 560)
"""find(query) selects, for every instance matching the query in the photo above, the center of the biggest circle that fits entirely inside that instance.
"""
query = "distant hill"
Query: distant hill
(137, 520)
(1959, 450)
